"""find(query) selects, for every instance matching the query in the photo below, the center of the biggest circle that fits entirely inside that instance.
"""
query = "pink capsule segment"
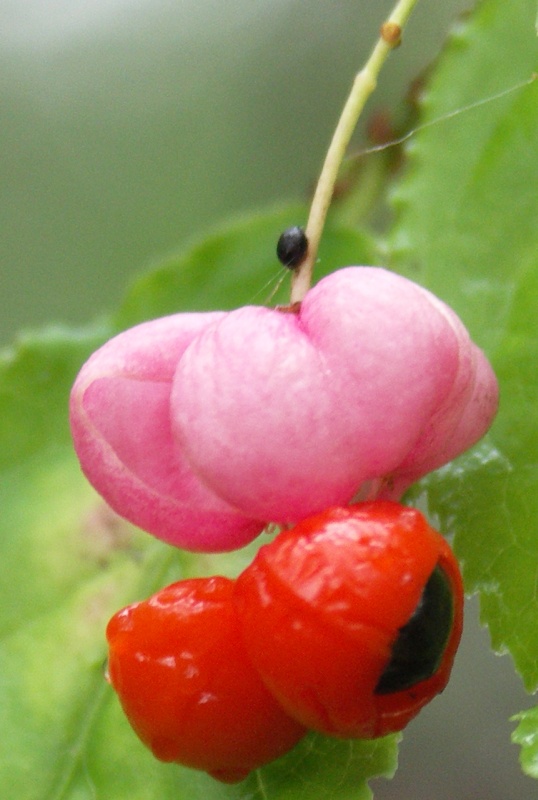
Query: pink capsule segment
(202, 428)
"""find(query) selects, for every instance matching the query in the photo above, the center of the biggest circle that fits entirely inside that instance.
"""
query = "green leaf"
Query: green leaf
(466, 228)
(467, 208)
(68, 563)
(526, 735)
(35, 378)
(317, 768)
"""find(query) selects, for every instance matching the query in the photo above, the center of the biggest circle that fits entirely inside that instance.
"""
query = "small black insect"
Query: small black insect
(292, 246)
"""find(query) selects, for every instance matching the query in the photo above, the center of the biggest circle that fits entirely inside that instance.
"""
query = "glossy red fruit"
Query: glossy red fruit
(353, 617)
(185, 682)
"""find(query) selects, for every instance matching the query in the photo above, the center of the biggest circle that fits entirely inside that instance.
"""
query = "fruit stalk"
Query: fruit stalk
(364, 84)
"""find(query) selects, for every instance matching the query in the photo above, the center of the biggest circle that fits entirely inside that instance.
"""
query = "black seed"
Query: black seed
(418, 650)
(292, 246)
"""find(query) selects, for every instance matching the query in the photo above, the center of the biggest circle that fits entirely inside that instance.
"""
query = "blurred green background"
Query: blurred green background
(129, 126)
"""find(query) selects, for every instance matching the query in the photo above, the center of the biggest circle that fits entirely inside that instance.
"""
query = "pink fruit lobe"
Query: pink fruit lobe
(202, 428)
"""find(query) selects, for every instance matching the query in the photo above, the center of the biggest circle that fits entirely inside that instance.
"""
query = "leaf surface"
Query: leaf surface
(466, 228)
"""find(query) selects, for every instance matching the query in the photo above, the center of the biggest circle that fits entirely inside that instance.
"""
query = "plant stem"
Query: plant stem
(363, 86)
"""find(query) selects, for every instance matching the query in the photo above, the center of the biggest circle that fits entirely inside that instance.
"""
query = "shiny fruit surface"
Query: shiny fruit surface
(187, 686)
(353, 617)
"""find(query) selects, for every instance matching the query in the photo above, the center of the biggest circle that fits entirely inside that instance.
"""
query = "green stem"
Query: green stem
(363, 86)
